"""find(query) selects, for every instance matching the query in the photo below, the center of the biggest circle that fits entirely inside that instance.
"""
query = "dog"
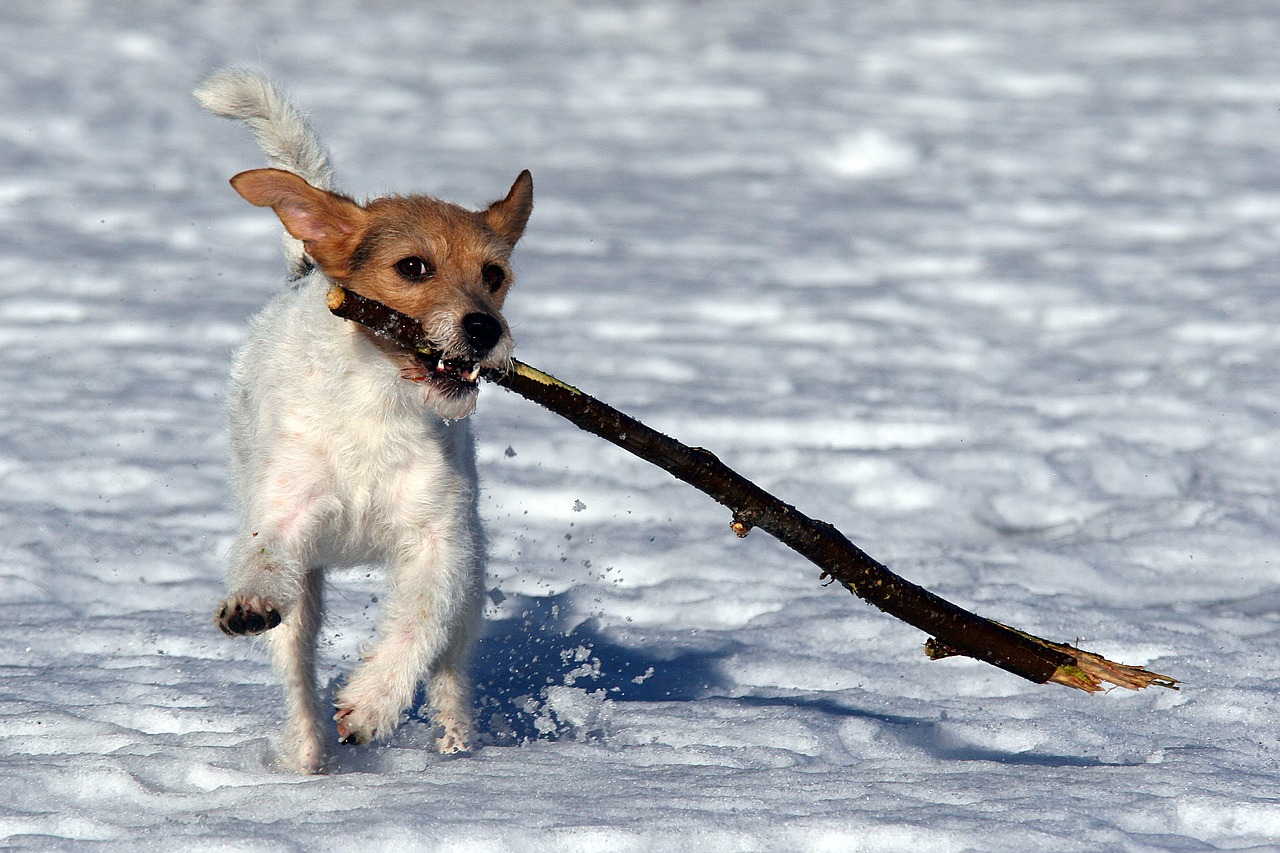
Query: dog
(347, 451)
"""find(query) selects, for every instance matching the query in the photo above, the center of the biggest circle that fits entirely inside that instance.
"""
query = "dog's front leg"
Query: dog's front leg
(428, 627)
(271, 555)
(276, 587)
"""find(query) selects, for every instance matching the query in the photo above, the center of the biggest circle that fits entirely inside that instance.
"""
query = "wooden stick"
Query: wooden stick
(953, 630)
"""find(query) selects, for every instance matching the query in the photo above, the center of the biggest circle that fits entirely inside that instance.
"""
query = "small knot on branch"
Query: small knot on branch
(741, 525)
(937, 650)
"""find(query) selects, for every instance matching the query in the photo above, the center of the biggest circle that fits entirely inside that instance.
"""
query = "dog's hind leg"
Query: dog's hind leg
(293, 652)
(449, 689)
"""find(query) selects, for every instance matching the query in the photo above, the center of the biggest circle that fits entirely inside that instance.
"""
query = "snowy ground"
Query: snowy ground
(988, 286)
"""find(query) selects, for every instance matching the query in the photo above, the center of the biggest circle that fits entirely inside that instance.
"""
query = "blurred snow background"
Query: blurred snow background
(988, 286)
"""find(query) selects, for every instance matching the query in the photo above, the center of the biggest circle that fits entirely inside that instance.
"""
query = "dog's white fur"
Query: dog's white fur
(339, 461)
(283, 134)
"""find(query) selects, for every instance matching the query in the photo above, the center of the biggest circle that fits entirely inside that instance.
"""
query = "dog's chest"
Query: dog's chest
(392, 460)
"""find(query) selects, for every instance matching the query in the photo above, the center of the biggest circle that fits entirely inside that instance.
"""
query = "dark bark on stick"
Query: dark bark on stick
(953, 630)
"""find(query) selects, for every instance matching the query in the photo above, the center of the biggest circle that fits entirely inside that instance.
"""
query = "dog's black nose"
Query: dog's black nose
(483, 333)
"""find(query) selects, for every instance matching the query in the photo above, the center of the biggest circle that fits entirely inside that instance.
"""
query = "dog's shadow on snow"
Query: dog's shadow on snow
(544, 673)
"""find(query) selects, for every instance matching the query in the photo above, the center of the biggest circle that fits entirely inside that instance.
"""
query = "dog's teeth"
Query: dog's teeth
(473, 374)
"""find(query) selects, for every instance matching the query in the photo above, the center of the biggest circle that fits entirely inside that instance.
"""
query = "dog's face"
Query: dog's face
(442, 264)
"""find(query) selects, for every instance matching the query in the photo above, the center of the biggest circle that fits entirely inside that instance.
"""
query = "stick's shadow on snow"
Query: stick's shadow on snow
(930, 736)
(543, 674)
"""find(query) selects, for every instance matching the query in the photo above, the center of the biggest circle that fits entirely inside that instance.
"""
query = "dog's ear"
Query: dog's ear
(328, 224)
(509, 216)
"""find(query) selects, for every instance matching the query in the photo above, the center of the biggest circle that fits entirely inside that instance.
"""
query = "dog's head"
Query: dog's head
(442, 264)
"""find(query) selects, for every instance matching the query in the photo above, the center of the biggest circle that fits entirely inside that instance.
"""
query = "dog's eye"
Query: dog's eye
(494, 276)
(415, 268)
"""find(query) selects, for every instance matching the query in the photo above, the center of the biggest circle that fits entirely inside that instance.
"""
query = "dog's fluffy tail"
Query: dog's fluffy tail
(284, 134)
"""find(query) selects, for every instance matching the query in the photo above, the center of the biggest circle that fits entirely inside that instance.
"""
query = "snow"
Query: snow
(989, 288)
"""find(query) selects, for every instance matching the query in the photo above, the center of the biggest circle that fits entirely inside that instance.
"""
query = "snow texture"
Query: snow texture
(990, 287)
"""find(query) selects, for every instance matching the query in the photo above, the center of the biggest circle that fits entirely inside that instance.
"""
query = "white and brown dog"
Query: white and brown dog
(349, 452)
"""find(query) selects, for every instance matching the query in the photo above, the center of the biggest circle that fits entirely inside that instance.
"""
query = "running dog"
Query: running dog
(347, 451)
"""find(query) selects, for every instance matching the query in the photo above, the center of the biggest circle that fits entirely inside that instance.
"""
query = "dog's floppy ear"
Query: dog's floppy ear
(509, 216)
(328, 224)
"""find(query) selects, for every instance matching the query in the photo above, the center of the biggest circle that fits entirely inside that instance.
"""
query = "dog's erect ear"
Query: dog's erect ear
(328, 224)
(509, 217)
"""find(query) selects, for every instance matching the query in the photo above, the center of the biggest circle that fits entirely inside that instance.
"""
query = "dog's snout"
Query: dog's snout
(483, 333)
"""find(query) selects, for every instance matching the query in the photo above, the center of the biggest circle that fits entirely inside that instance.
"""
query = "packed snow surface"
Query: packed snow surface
(990, 287)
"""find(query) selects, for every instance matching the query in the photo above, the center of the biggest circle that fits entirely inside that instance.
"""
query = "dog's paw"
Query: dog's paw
(360, 724)
(241, 615)
(454, 741)
(349, 730)
(357, 727)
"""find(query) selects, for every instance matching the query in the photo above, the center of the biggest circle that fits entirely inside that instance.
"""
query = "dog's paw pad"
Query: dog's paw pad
(239, 616)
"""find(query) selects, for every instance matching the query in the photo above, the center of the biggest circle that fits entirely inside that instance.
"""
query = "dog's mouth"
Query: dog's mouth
(452, 376)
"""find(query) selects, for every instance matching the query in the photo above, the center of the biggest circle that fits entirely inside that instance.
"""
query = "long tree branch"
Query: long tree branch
(953, 630)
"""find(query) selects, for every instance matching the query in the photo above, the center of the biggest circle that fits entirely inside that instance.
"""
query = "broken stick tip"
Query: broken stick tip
(335, 297)
(1091, 673)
